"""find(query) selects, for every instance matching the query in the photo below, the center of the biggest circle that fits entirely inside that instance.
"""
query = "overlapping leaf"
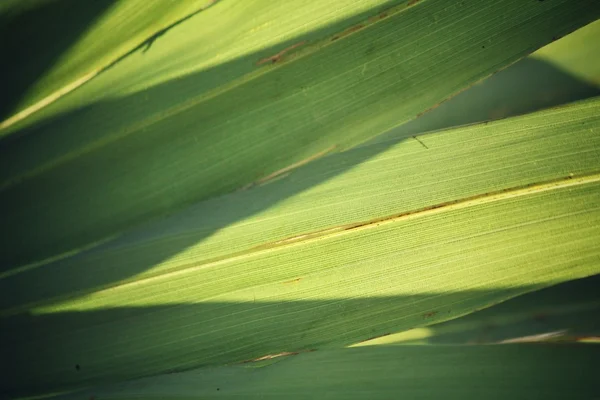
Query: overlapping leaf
(563, 313)
(504, 208)
(385, 237)
(112, 164)
(92, 36)
(384, 372)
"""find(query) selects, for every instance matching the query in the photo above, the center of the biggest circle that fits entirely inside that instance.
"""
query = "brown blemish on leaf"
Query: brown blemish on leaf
(348, 31)
(430, 314)
(293, 281)
(378, 17)
(355, 28)
(429, 109)
(422, 211)
(277, 57)
(374, 18)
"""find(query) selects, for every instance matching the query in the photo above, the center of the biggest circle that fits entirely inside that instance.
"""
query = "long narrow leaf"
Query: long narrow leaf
(440, 249)
(102, 168)
(387, 372)
(74, 42)
(563, 313)
(339, 192)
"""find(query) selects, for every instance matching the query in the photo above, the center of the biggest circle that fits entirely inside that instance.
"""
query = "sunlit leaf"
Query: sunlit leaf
(504, 208)
(563, 313)
(115, 162)
(52, 47)
(561, 72)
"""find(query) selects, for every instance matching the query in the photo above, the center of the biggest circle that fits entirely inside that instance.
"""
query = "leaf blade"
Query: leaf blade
(332, 290)
(267, 115)
(381, 372)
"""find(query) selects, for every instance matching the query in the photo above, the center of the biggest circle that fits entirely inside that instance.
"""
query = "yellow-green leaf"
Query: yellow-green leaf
(105, 166)
(413, 236)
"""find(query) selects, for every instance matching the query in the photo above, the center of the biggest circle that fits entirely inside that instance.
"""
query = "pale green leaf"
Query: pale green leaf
(119, 161)
(386, 372)
(193, 43)
(338, 192)
(412, 236)
(561, 72)
(567, 312)
(55, 46)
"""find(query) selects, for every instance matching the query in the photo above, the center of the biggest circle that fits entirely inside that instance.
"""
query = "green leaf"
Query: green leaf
(561, 72)
(504, 208)
(384, 372)
(119, 161)
(226, 33)
(329, 196)
(563, 313)
(49, 59)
